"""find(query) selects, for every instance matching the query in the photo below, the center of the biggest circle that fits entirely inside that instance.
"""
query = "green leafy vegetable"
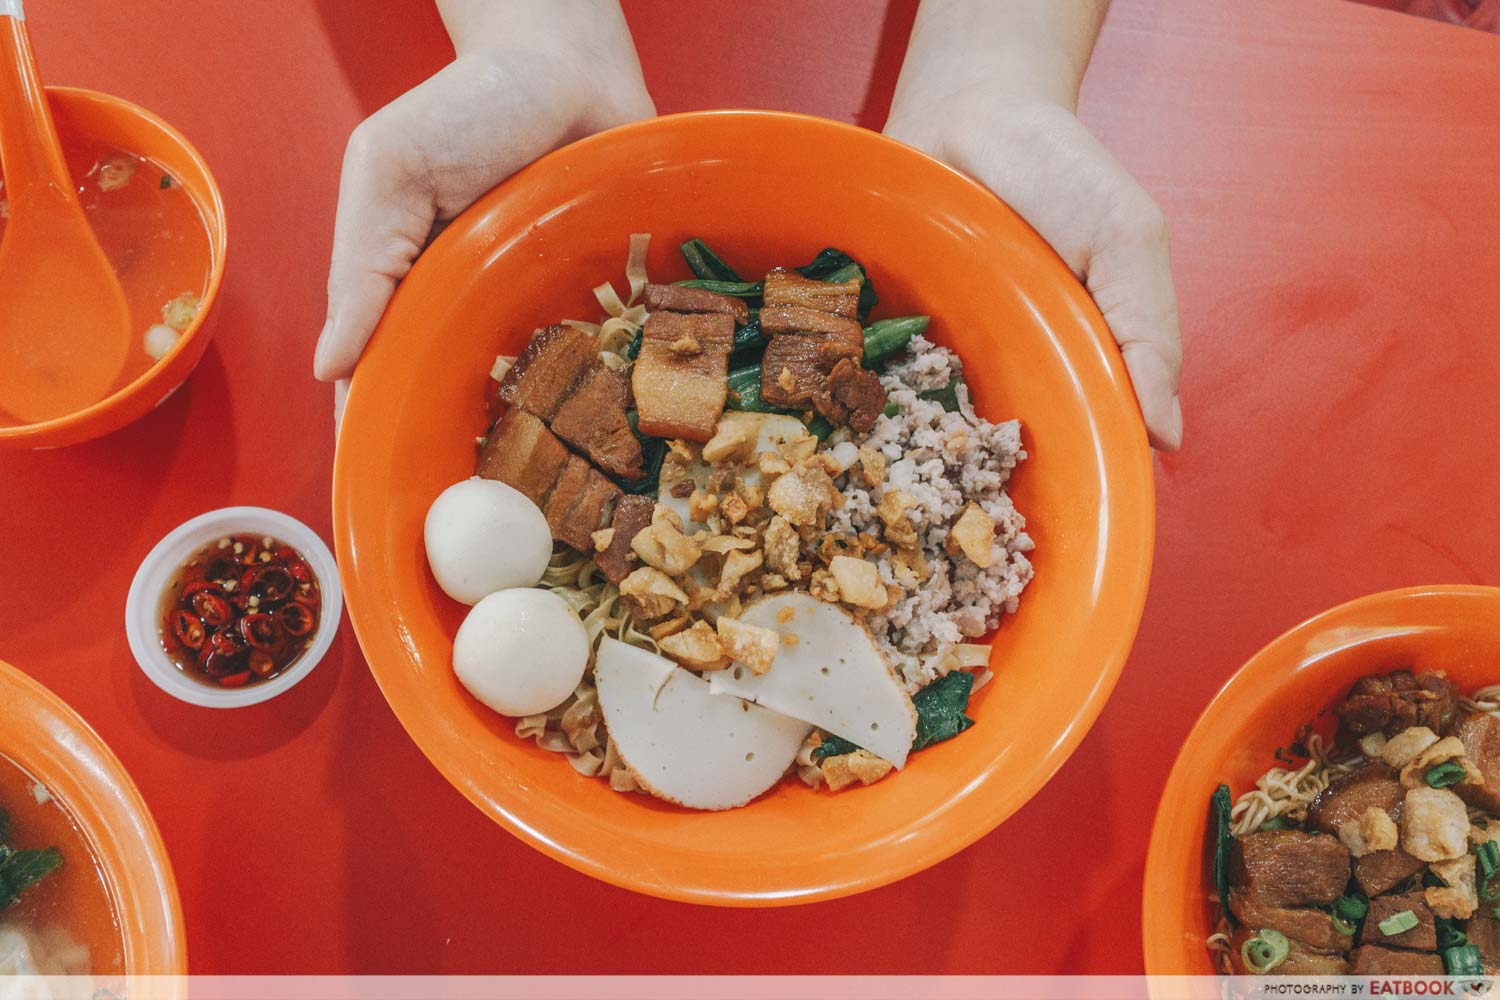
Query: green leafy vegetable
(886, 338)
(4, 826)
(833, 746)
(744, 391)
(834, 266)
(947, 395)
(819, 427)
(1431, 881)
(653, 451)
(1219, 807)
(940, 708)
(633, 349)
(705, 263)
(20, 870)
(940, 715)
(1265, 951)
(1275, 823)
(1463, 960)
(749, 343)
(748, 290)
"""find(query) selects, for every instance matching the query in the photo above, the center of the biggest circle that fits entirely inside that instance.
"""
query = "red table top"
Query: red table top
(1328, 173)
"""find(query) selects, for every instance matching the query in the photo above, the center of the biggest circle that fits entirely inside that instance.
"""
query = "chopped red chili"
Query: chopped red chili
(240, 611)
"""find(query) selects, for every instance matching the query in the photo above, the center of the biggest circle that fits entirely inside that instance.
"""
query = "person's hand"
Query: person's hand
(1012, 129)
(530, 76)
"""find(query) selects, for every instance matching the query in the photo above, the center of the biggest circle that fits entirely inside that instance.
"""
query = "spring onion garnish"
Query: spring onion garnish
(1398, 923)
(1488, 856)
(1448, 934)
(1341, 925)
(1265, 951)
(1350, 909)
(1463, 960)
(1442, 775)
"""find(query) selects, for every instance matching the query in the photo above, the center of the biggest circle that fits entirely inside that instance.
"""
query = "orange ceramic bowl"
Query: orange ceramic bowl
(1455, 629)
(763, 189)
(50, 742)
(108, 119)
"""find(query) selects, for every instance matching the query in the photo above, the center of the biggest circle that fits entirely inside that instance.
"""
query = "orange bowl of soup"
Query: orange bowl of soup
(157, 213)
(763, 189)
(1291, 682)
(111, 911)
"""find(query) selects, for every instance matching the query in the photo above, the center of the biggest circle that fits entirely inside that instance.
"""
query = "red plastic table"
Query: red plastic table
(1328, 171)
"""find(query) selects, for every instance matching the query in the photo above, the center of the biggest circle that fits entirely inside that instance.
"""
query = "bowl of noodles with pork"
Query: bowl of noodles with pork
(1334, 810)
(685, 487)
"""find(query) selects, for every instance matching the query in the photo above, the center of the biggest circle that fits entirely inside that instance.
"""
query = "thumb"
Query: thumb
(1130, 278)
(385, 213)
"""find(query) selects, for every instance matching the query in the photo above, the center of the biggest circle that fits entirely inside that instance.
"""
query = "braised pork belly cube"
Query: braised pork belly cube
(565, 494)
(1422, 937)
(1346, 798)
(1389, 703)
(592, 419)
(1373, 960)
(1382, 871)
(851, 396)
(1311, 926)
(540, 379)
(1483, 932)
(680, 377)
(522, 453)
(1291, 868)
(678, 299)
(796, 366)
(591, 513)
(797, 319)
(788, 288)
(1300, 959)
(632, 516)
(1480, 735)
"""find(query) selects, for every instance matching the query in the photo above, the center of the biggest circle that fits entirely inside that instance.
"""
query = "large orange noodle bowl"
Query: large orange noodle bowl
(47, 740)
(1290, 682)
(763, 189)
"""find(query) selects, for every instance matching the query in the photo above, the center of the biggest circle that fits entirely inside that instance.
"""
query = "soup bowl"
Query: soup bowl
(1287, 684)
(763, 189)
(102, 118)
(47, 740)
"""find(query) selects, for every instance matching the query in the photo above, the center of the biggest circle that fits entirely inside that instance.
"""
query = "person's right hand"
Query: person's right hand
(530, 76)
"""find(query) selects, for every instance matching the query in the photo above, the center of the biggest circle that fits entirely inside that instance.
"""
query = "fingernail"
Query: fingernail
(320, 353)
(1174, 425)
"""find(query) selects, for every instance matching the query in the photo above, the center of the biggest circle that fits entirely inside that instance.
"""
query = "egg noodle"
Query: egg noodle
(576, 727)
(1289, 793)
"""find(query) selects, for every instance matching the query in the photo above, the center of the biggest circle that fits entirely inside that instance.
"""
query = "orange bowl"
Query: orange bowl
(1291, 681)
(116, 122)
(48, 740)
(763, 189)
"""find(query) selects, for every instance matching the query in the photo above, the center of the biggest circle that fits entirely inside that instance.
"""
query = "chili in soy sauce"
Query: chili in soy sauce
(240, 611)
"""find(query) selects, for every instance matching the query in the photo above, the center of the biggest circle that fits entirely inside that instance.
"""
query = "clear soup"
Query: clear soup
(153, 233)
(67, 920)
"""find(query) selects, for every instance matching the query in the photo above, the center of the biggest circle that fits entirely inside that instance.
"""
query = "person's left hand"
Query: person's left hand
(1038, 157)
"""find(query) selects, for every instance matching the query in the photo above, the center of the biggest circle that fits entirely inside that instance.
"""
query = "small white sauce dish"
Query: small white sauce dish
(143, 605)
